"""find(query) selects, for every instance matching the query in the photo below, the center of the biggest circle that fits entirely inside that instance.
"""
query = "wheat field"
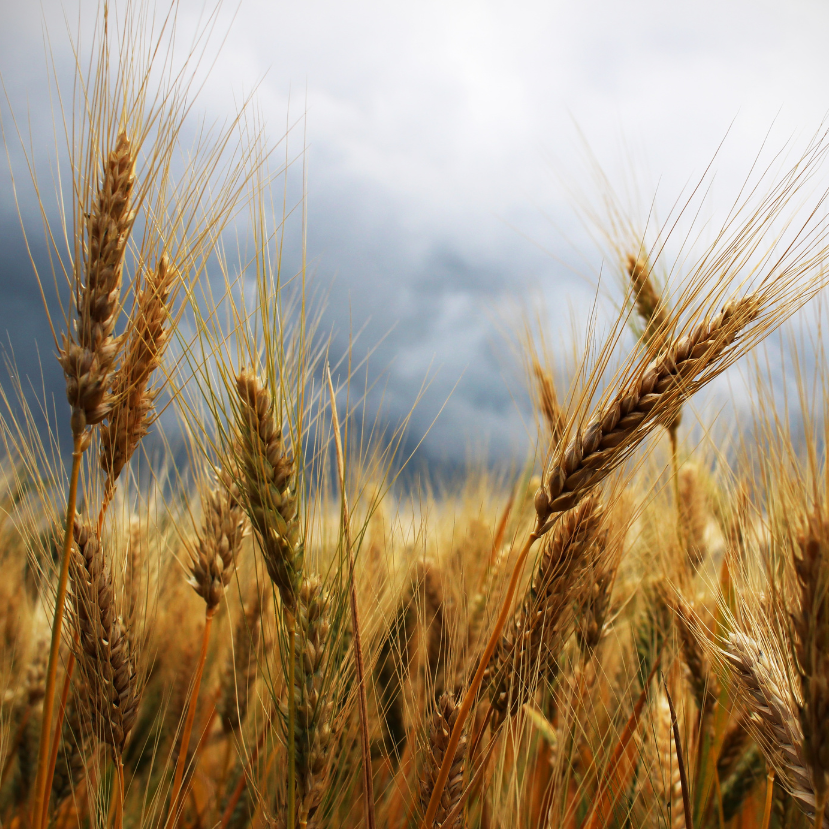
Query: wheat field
(274, 626)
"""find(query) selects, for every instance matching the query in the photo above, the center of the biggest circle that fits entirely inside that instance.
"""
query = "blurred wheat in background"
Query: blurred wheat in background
(273, 628)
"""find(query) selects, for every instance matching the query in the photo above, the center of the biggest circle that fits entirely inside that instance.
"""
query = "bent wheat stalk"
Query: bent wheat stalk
(655, 392)
(368, 783)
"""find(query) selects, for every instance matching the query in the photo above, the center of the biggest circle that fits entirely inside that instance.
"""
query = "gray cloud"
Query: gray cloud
(435, 133)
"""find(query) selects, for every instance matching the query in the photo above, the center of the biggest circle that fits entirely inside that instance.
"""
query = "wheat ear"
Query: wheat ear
(269, 488)
(626, 418)
(314, 704)
(269, 474)
(548, 401)
(87, 359)
(811, 633)
(440, 729)
(212, 565)
(128, 420)
(774, 723)
(104, 659)
(530, 643)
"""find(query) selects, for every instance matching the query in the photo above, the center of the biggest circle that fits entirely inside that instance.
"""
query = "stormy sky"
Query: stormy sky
(446, 161)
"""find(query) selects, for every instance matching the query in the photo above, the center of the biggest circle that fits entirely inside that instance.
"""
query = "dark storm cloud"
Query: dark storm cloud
(428, 133)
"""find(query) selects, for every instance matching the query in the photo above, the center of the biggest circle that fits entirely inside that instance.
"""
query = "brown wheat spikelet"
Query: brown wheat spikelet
(442, 721)
(105, 662)
(649, 306)
(132, 406)
(529, 644)
(213, 561)
(623, 421)
(87, 358)
(314, 703)
(268, 483)
(548, 401)
(811, 629)
(774, 721)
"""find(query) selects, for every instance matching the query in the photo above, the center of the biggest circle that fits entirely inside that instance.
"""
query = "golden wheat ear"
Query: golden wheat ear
(268, 486)
(213, 560)
(530, 645)
(811, 645)
(105, 661)
(87, 357)
(652, 395)
(132, 401)
(440, 728)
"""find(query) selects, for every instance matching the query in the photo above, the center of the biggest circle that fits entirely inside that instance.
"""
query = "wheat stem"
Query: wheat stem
(172, 817)
(53, 755)
(680, 762)
(474, 686)
(119, 792)
(52, 668)
(368, 783)
(291, 625)
(767, 806)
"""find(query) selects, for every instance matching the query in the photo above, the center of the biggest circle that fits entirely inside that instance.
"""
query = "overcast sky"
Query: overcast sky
(440, 138)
